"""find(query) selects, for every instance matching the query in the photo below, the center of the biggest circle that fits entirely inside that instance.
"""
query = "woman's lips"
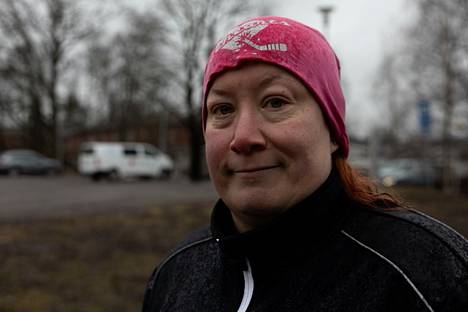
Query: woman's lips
(253, 169)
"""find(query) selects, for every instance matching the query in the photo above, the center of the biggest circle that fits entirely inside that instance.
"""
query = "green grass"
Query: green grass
(98, 263)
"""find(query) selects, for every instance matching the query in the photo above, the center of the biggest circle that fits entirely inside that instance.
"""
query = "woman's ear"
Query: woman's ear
(333, 146)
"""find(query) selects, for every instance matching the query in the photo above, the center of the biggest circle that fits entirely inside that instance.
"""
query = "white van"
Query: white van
(123, 160)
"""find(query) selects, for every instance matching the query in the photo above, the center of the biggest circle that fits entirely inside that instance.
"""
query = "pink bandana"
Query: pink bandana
(301, 50)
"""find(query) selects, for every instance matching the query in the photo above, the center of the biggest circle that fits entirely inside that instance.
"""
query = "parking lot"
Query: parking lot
(23, 197)
(31, 197)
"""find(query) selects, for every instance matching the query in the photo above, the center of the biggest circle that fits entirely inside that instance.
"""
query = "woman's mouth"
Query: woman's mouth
(253, 169)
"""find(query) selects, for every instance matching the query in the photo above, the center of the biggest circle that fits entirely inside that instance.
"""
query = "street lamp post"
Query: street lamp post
(326, 10)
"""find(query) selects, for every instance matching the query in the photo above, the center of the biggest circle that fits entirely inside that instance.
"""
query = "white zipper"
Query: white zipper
(248, 288)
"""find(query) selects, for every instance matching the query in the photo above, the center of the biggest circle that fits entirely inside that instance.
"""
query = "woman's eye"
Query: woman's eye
(222, 110)
(275, 103)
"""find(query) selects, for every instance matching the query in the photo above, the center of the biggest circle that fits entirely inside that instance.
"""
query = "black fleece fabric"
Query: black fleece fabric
(324, 254)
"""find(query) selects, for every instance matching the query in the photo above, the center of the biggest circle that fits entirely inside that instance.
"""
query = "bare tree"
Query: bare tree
(39, 40)
(392, 97)
(195, 25)
(130, 72)
(75, 113)
(439, 50)
(3, 111)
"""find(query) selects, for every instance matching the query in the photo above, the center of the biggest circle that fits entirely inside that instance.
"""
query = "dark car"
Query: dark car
(24, 161)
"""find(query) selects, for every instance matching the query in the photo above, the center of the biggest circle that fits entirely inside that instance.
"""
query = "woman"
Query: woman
(296, 229)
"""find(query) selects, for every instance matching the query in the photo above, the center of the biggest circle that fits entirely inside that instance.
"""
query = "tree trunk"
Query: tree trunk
(193, 125)
(36, 127)
(2, 138)
(54, 144)
(195, 148)
(448, 180)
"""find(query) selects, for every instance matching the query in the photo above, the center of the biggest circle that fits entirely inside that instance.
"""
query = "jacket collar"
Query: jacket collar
(313, 222)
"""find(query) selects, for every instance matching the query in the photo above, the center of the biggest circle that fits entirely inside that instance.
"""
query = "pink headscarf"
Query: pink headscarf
(293, 46)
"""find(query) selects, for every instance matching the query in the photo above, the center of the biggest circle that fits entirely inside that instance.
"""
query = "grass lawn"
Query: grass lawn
(88, 263)
(100, 263)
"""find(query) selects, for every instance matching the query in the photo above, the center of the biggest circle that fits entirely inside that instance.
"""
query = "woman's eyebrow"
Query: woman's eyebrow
(269, 79)
(219, 92)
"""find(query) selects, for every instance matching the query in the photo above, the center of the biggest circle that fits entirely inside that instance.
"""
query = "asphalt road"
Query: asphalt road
(35, 196)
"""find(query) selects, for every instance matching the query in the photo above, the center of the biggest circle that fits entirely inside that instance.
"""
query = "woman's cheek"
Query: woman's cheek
(216, 148)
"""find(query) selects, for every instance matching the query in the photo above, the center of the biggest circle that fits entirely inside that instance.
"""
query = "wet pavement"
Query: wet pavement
(31, 197)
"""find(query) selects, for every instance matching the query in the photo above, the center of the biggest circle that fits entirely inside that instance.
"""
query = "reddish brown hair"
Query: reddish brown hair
(361, 189)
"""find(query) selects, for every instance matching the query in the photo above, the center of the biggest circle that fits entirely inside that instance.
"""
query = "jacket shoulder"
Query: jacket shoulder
(184, 254)
(196, 238)
(398, 229)
(431, 256)
(440, 231)
(193, 238)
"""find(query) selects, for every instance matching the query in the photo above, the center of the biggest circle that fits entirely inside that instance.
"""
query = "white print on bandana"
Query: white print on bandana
(243, 34)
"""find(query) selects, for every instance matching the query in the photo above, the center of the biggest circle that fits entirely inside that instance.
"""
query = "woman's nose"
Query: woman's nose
(248, 135)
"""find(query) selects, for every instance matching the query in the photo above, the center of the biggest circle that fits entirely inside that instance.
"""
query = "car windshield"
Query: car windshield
(87, 150)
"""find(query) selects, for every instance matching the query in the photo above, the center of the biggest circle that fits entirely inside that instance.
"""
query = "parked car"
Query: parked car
(408, 172)
(123, 160)
(25, 161)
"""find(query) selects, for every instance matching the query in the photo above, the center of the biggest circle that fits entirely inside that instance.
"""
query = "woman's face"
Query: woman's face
(267, 144)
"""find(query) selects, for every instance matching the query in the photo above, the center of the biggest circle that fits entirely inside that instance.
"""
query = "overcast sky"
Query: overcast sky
(360, 31)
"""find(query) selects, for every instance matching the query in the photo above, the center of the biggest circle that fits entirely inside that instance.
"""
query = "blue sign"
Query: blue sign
(425, 119)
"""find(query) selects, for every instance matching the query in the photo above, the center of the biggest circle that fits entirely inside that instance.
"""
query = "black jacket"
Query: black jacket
(325, 254)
